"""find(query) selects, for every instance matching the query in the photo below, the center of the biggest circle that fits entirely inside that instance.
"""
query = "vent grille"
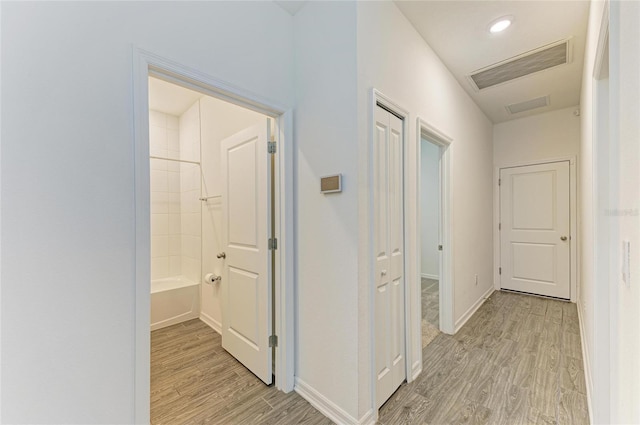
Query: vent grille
(539, 102)
(526, 64)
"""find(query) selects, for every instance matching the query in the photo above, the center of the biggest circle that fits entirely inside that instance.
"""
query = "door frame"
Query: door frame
(146, 64)
(446, 292)
(573, 267)
(377, 98)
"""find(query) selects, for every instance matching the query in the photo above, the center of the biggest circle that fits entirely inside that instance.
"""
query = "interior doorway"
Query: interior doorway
(212, 165)
(430, 239)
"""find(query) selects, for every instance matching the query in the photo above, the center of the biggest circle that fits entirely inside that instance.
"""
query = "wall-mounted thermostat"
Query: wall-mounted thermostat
(331, 184)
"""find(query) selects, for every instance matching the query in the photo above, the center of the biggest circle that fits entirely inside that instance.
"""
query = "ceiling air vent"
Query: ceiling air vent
(527, 105)
(549, 56)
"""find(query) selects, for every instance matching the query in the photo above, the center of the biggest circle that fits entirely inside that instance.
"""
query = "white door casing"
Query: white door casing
(246, 282)
(535, 229)
(388, 235)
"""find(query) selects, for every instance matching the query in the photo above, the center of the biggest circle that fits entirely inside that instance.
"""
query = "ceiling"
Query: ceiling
(170, 98)
(291, 6)
(458, 32)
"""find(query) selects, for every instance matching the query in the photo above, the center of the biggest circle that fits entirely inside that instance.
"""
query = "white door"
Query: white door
(389, 254)
(535, 223)
(246, 283)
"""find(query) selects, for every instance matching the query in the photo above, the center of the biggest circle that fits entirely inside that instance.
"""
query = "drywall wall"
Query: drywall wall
(624, 182)
(393, 58)
(429, 210)
(327, 225)
(545, 136)
(219, 120)
(68, 183)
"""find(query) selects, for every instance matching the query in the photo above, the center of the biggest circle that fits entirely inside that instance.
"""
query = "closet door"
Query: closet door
(246, 284)
(389, 254)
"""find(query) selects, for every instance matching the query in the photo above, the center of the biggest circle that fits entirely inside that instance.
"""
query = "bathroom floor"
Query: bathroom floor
(194, 380)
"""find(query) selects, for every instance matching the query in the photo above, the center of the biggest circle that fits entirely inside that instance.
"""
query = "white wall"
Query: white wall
(610, 202)
(550, 135)
(68, 189)
(429, 210)
(393, 58)
(219, 120)
(327, 225)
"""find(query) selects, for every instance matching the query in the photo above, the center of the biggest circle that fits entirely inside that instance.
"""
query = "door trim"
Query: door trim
(573, 268)
(437, 137)
(147, 64)
(377, 98)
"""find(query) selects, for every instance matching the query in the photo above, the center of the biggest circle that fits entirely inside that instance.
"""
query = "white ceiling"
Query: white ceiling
(458, 32)
(170, 98)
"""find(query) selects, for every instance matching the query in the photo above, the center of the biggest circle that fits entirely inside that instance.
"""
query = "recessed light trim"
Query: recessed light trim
(500, 24)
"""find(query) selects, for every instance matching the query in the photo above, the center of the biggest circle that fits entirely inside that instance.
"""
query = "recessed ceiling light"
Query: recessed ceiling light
(500, 24)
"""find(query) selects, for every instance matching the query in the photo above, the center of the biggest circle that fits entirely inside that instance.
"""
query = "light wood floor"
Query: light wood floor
(195, 381)
(431, 301)
(517, 361)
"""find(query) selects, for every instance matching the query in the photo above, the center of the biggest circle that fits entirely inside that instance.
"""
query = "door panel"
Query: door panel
(246, 284)
(389, 254)
(535, 217)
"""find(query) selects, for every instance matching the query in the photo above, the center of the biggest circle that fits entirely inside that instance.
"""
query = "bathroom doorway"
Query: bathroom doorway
(218, 301)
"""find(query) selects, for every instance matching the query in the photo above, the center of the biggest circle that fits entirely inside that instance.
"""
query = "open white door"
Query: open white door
(246, 282)
(535, 225)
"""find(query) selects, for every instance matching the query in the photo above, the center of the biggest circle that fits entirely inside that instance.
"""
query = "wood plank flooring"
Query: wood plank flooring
(516, 361)
(195, 381)
(431, 301)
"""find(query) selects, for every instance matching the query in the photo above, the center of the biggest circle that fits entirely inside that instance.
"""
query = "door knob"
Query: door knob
(383, 272)
(222, 255)
(563, 238)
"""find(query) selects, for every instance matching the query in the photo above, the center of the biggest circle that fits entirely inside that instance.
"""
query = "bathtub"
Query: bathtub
(173, 300)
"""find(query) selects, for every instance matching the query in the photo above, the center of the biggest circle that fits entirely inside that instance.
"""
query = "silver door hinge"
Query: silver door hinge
(439, 247)
(499, 270)
(273, 243)
(499, 182)
(273, 341)
(271, 147)
(499, 226)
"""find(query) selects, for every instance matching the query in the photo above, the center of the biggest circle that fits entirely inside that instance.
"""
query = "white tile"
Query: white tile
(159, 246)
(174, 224)
(173, 166)
(175, 245)
(173, 140)
(159, 181)
(158, 119)
(158, 164)
(172, 122)
(174, 203)
(159, 268)
(191, 247)
(191, 224)
(157, 138)
(159, 203)
(175, 266)
(159, 224)
(173, 182)
(191, 269)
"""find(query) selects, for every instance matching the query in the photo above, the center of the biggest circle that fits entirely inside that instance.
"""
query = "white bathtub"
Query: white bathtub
(173, 300)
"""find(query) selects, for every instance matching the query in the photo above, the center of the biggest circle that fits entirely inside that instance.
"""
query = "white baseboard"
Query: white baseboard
(430, 276)
(213, 323)
(586, 362)
(467, 315)
(327, 407)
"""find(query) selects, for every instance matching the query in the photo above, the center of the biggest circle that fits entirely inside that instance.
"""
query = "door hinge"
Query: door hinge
(499, 270)
(499, 226)
(499, 182)
(439, 247)
(273, 341)
(271, 147)
(273, 243)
